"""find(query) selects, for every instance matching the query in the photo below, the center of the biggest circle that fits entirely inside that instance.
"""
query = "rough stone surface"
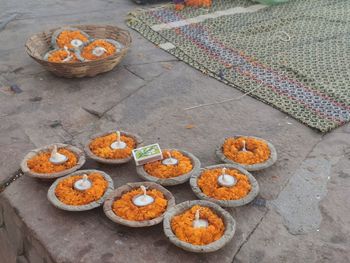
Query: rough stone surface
(146, 94)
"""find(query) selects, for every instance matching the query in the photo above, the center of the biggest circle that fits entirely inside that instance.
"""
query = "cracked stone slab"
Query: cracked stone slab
(150, 71)
(298, 203)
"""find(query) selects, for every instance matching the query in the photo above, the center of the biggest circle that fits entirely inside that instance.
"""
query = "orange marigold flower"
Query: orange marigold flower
(101, 146)
(208, 183)
(179, 7)
(65, 37)
(198, 3)
(66, 193)
(125, 208)
(87, 51)
(257, 151)
(41, 163)
(182, 226)
(60, 55)
(160, 170)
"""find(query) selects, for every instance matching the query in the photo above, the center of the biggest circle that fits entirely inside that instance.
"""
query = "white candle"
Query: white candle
(143, 199)
(118, 144)
(56, 157)
(76, 43)
(170, 160)
(244, 149)
(69, 56)
(226, 180)
(98, 51)
(83, 184)
(199, 223)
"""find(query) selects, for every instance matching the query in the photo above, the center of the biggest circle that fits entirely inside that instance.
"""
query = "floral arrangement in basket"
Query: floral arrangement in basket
(67, 192)
(140, 204)
(198, 225)
(71, 45)
(175, 164)
(252, 153)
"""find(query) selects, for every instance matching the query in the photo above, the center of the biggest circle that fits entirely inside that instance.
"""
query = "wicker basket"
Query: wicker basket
(249, 167)
(93, 156)
(229, 221)
(77, 208)
(49, 176)
(39, 44)
(117, 193)
(226, 203)
(173, 180)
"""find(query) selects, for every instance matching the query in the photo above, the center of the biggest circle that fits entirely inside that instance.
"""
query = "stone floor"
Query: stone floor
(306, 216)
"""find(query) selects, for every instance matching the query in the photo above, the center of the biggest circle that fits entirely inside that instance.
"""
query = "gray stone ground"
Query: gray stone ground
(307, 214)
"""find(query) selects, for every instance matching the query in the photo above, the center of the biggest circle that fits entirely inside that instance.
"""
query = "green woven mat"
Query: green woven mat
(294, 56)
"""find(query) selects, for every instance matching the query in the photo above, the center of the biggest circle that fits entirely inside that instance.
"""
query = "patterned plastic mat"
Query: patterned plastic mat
(294, 56)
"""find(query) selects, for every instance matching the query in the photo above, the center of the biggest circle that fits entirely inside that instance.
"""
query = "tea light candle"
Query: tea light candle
(226, 180)
(56, 157)
(170, 160)
(143, 199)
(98, 51)
(83, 184)
(199, 223)
(119, 144)
(244, 149)
(76, 43)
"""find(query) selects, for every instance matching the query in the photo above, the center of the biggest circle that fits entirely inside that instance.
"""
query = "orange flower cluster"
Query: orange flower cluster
(66, 193)
(87, 51)
(125, 208)
(182, 226)
(65, 37)
(208, 183)
(193, 3)
(160, 170)
(257, 150)
(101, 146)
(60, 55)
(41, 163)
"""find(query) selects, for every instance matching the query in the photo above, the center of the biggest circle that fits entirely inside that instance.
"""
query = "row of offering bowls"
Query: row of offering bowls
(110, 195)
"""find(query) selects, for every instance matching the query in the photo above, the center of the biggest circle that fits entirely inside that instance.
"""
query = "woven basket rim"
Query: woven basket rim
(229, 221)
(226, 203)
(79, 26)
(173, 180)
(107, 207)
(79, 154)
(249, 167)
(73, 208)
(93, 156)
(37, 45)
